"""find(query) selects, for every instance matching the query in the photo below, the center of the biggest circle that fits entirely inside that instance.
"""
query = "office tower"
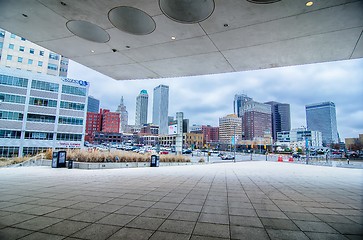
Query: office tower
(230, 126)
(238, 103)
(17, 52)
(186, 125)
(160, 108)
(322, 117)
(124, 115)
(39, 111)
(280, 117)
(93, 105)
(141, 108)
(256, 120)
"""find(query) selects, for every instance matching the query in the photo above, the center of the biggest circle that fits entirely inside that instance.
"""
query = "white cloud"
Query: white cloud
(206, 98)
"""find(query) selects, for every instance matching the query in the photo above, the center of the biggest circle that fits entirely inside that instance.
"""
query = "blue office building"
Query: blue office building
(93, 105)
(322, 117)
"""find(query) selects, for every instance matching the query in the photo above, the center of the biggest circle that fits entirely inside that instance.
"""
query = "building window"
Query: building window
(31, 151)
(72, 105)
(31, 51)
(10, 134)
(2, 33)
(63, 69)
(70, 120)
(9, 151)
(54, 56)
(9, 57)
(22, 39)
(39, 135)
(1, 45)
(74, 90)
(52, 66)
(46, 86)
(21, 48)
(63, 62)
(11, 46)
(13, 81)
(6, 115)
(40, 63)
(69, 137)
(40, 118)
(41, 53)
(20, 59)
(42, 102)
(30, 61)
(12, 35)
(12, 98)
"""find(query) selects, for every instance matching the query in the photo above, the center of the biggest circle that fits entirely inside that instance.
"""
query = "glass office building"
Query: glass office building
(39, 111)
(322, 117)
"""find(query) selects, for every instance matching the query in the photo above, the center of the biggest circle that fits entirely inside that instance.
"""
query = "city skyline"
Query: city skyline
(204, 99)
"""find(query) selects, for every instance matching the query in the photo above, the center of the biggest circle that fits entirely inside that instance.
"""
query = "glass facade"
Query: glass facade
(7, 115)
(74, 90)
(42, 102)
(39, 135)
(70, 120)
(12, 98)
(69, 137)
(46, 86)
(10, 134)
(72, 105)
(40, 118)
(322, 117)
(13, 81)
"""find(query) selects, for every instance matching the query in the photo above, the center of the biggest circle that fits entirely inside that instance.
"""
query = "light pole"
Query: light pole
(234, 138)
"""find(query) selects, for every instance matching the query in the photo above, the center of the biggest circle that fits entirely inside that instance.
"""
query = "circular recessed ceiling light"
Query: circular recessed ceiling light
(131, 20)
(88, 31)
(263, 1)
(309, 4)
(187, 11)
(173, 38)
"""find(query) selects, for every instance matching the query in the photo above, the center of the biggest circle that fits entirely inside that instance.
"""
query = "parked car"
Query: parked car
(227, 157)
(187, 151)
(163, 152)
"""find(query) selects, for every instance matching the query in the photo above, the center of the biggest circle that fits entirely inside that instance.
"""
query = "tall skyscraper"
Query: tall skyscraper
(17, 52)
(322, 117)
(93, 105)
(124, 115)
(238, 103)
(160, 108)
(280, 117)
(230, 126)
(256, 120)
(141, 108)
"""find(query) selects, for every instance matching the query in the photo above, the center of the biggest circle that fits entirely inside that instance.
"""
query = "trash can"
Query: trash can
(70, 164)
(59, 159)
(154, 161)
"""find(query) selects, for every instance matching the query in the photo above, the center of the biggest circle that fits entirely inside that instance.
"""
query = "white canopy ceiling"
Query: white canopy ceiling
(140, 39)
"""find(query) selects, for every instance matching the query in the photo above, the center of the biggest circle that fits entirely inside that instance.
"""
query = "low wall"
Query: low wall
(87, 165)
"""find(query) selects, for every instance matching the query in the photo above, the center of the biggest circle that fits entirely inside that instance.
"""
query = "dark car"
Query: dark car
(187, 151)
(227, 157)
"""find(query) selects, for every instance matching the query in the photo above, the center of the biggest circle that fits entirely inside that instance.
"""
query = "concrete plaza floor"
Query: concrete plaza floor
(246, 200)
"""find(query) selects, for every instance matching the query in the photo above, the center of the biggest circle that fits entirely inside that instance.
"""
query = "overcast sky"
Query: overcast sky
(204, 99)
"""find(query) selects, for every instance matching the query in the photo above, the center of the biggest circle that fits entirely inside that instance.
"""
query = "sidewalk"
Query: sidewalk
(246, 200)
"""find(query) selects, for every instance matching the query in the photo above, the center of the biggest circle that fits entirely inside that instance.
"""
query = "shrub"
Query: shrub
(122, 156)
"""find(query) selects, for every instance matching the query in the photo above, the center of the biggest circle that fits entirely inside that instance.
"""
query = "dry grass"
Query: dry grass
(10, 161)
(115, 156)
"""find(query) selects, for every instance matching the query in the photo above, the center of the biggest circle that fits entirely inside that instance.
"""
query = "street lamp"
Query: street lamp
(234, 138)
